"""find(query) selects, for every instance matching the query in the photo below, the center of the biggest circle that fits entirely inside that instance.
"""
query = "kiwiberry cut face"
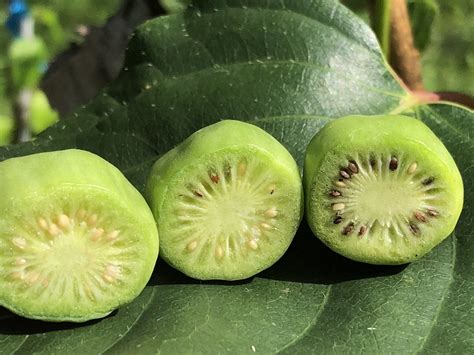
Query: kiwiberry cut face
(76, 239)
(228, 202)
(381, 189)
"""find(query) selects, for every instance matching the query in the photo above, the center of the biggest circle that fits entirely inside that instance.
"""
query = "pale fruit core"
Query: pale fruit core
(232, 206)
(71, 253)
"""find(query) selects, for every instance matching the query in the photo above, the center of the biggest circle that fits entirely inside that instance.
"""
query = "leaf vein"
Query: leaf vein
(312, 323)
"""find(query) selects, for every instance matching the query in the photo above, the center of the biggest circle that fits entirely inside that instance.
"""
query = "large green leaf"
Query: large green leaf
(289, 67)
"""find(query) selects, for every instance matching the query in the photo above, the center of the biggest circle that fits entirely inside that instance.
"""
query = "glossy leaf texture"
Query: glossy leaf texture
(290, 67)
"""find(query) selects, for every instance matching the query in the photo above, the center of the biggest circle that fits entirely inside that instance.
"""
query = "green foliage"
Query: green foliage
(41, 114)
(65, 16)
(294, 66)
(6, 127)
(422, 16)
(25, 58)
(49, 26)
(56, 22)
(448, 63)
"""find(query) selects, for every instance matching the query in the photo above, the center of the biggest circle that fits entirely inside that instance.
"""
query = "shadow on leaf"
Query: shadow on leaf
(166, 275)
(308, 260)
(12, 324)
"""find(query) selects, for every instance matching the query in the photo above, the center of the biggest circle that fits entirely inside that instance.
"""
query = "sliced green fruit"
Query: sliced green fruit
(227, 201)
(381, 189)
(77, 240)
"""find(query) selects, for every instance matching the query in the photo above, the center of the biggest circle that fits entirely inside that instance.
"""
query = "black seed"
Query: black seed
(197, 193)
(353, 167)
(414, 228)
(345, 174)
(433, 213)
(428, 181)
(348, 229)
(337, 220)
(393, 164)
(362, 230)
(419, 216)
(335, 193)
(272, 191)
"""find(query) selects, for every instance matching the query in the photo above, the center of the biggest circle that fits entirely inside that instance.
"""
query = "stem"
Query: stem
(404, 57)
(380, 18)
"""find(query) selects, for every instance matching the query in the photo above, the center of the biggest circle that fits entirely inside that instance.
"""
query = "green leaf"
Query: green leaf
(26, 56)
(289, 67)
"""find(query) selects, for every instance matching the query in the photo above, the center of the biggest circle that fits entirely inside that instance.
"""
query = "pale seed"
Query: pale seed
(19, 242)
(112, 235)
(192, 245)
(20, 261)
(338, 206)
(253, 244)
(43, 224)
(219, 252)
(54, 230)
(271, 212)
(113, 270)
(108, 278)
(63, 221)
(97, 233)
(412, 168)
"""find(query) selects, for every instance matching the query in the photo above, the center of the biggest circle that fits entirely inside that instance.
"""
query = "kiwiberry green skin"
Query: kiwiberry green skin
(403, 135)
(225, 138)
(31, 184)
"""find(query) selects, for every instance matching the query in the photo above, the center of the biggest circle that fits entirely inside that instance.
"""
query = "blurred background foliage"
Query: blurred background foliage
(58, 23)
(448, 60)
(444, 31)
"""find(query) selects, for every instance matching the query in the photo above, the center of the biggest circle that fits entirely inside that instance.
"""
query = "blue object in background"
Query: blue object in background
(17, 10)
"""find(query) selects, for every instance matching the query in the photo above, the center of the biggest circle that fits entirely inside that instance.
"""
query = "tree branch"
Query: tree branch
(404, 57)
